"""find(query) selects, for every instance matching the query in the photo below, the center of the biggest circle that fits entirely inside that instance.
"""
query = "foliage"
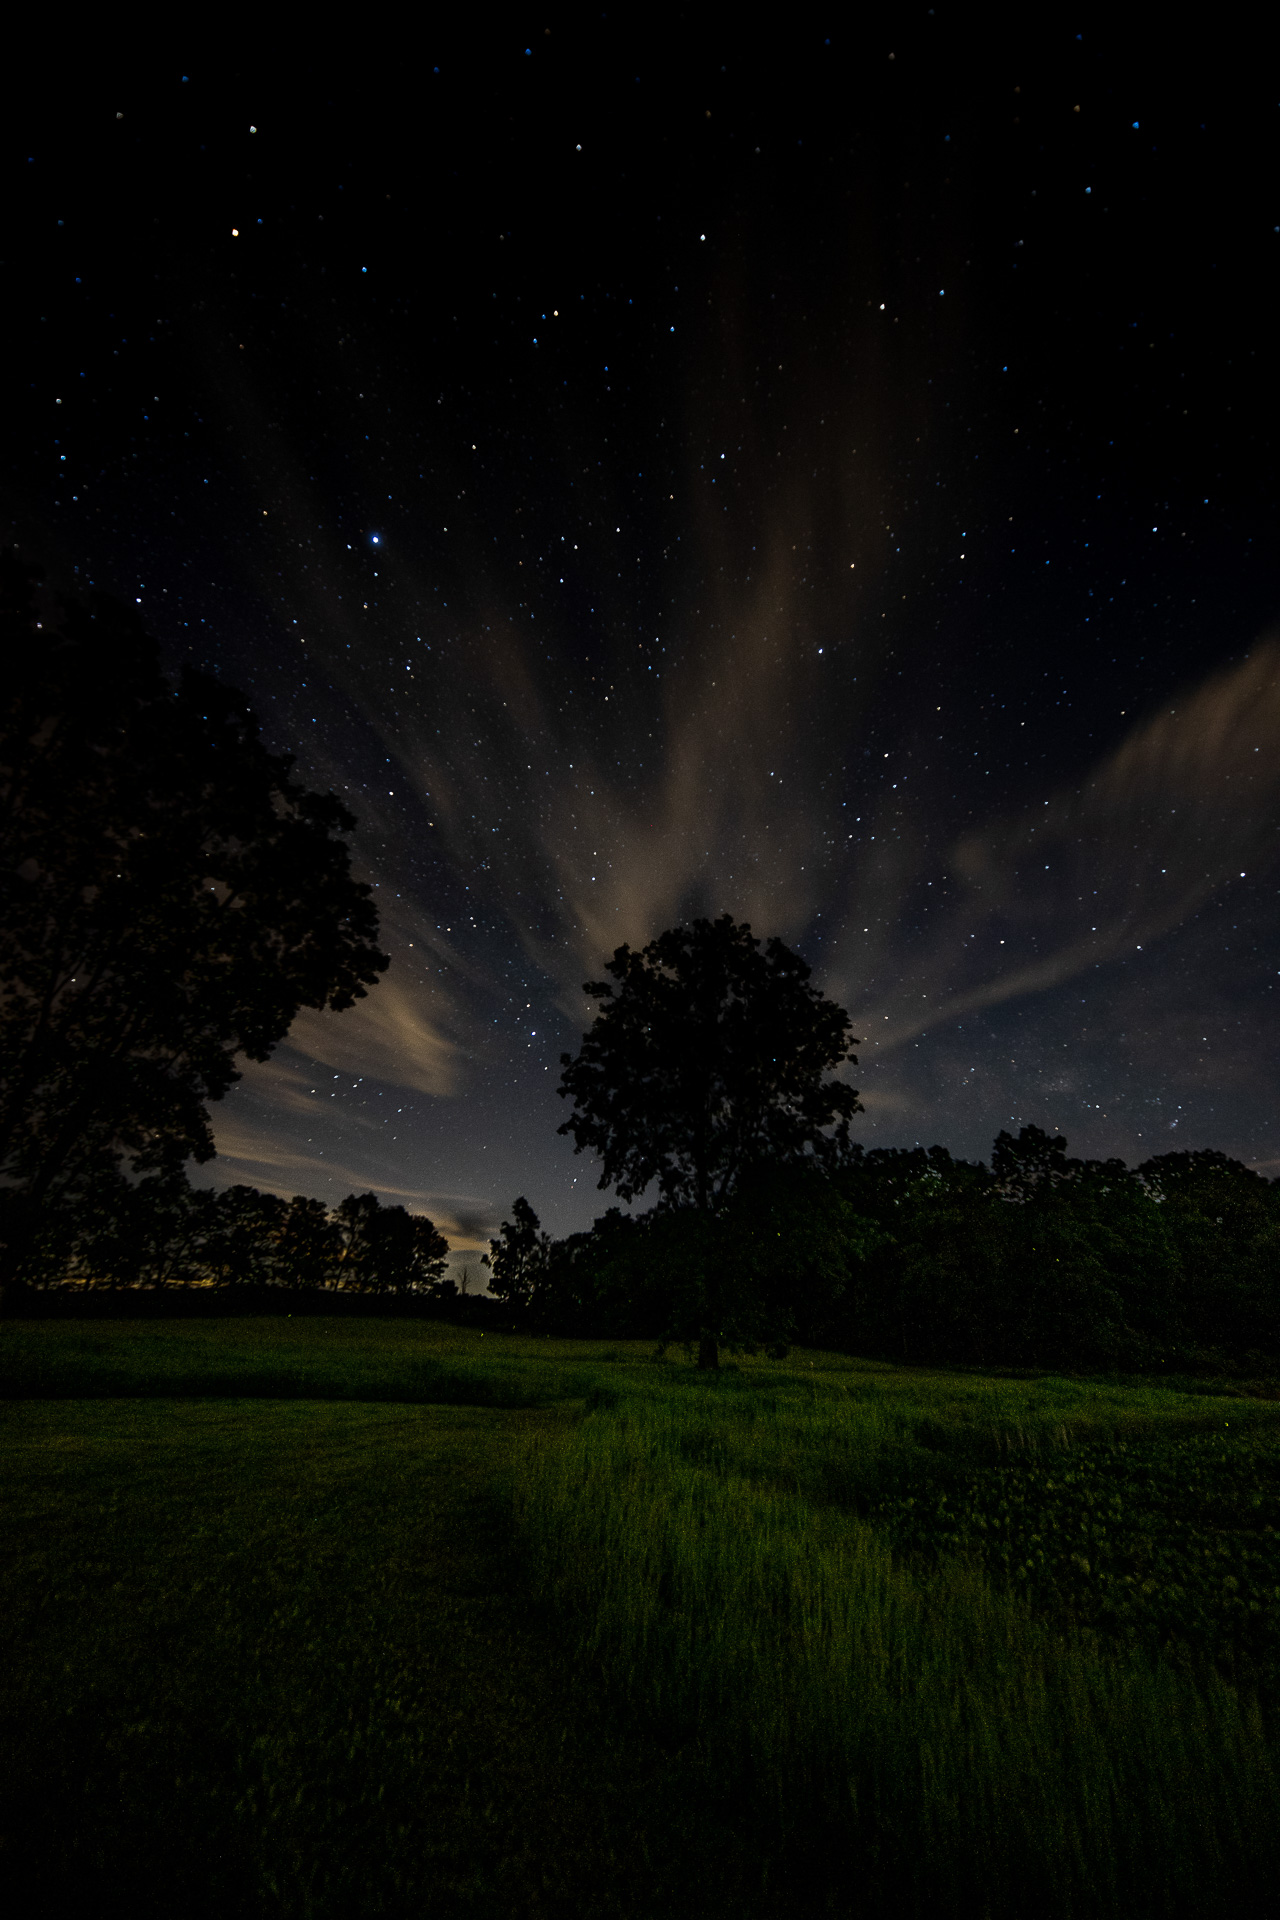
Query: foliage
(243, 1237)
(707, 1057)
(1224, 1220)
(1038, 1259)
(774, 1262)
(162, 1232)
(1046, 1260)
(1163, 1540)
(386, 1249)
(307, 1249)
(707, 1061)
(778, 1254)
(616, 1280)
(172, 896)
(517, 1259)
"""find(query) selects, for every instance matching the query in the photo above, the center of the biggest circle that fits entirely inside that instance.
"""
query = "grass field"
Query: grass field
(344, 1617)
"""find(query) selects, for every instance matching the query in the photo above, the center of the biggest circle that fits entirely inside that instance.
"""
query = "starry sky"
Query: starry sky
(827, 478)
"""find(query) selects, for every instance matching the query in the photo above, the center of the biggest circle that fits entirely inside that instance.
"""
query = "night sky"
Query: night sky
(826, 478)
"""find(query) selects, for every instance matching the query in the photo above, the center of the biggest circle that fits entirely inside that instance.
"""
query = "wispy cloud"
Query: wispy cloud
(395, 1035)
(1188, 804)
(548, 786)
(254, 1153)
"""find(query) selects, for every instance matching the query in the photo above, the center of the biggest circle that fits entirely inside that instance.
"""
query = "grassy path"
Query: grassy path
(268, 1657)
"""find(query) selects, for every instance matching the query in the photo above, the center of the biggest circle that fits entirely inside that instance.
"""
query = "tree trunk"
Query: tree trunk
(709, 1351)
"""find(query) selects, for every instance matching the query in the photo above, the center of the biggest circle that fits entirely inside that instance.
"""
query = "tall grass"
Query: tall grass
(922, 1735)
(883, 1730)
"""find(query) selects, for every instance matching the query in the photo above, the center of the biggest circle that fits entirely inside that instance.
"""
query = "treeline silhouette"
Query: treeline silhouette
(164, 1234)
(1036, 1259)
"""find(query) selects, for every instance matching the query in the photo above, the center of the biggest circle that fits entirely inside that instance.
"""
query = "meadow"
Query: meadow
(327, 1617)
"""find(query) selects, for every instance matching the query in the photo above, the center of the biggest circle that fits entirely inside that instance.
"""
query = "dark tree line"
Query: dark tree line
(1036, 1259)
(1041, 1259)
(162, 1232)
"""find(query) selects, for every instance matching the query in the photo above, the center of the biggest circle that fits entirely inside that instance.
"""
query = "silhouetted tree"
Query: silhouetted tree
(387, 1249)
(517, 1259)
(1031, 1166)
(310, 1245)
(171, 897)
(1038, 1260)
(788, 1241)
(152, 1233)
(929, 1283)
(122, 1233)
(709, 1056)
(243, 1246)
(1224, 1220)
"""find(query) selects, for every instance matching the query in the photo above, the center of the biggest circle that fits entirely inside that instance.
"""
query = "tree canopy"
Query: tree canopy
(709, 1055)
(1034, 1258)
(518, 1257)
(161, 1232)
(708, 1061)
(172, 896)
(387, 1249)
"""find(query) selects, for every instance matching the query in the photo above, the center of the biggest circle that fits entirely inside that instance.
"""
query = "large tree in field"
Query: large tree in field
(710, 1056)
(172, 896)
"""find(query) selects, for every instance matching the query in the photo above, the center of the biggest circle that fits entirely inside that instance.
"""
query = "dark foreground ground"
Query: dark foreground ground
(271, 1645)
(274, 1657)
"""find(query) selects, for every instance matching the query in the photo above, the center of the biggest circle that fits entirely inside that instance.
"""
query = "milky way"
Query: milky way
(839, 504)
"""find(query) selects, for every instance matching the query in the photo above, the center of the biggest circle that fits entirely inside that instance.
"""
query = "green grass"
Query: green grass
(910, 1714)
(1167, 1540)
(321, 1618)
(420, 1362)
(276, 1658)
